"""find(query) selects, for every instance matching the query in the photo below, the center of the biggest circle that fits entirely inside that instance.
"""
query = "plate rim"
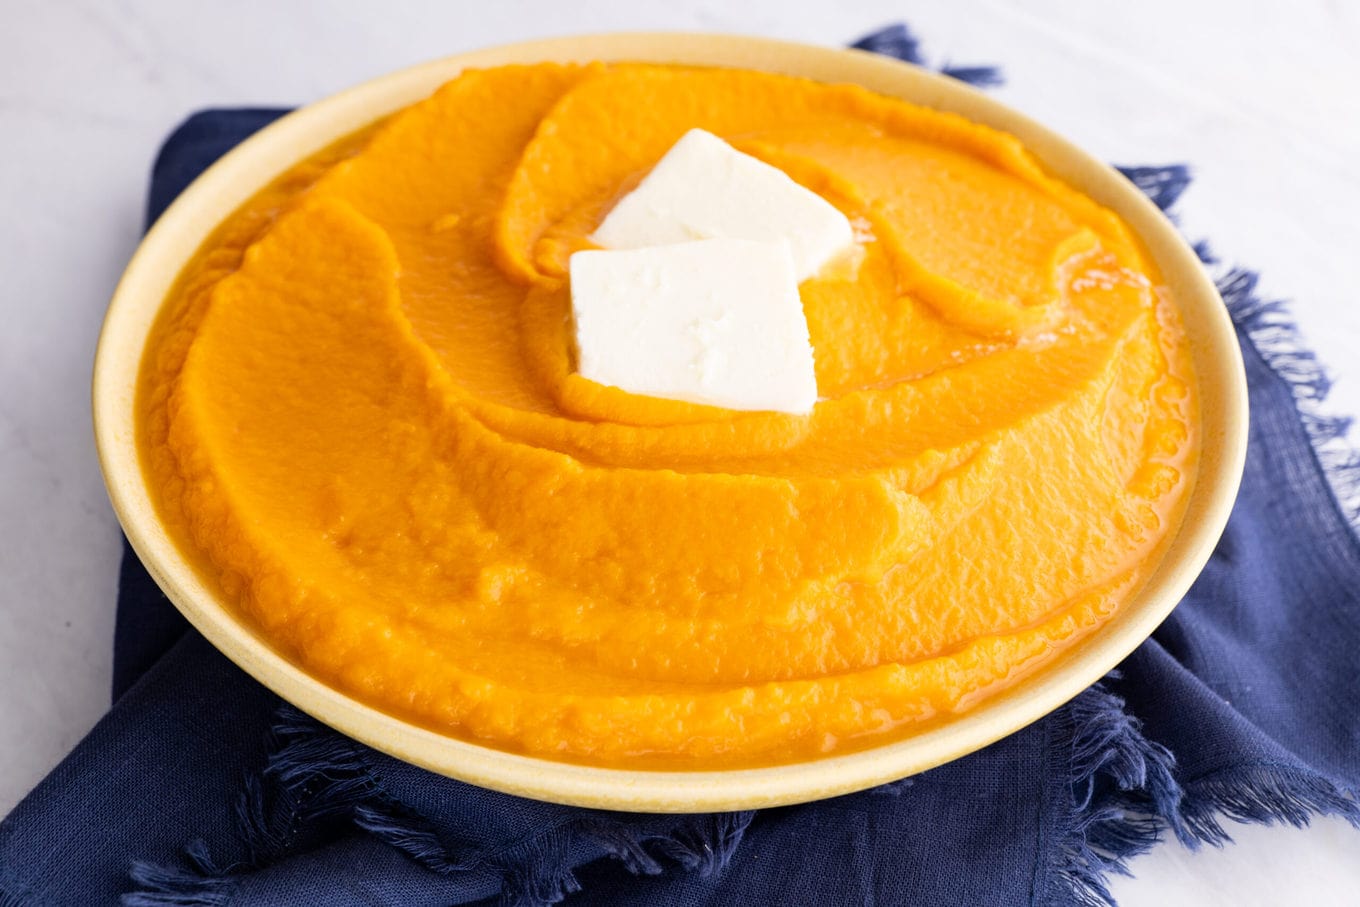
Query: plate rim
(250, 165)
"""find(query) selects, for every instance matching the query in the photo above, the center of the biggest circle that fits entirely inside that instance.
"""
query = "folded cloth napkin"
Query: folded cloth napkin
(200, 787)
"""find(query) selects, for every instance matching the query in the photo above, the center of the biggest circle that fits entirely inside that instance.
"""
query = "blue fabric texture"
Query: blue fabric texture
(201, 788)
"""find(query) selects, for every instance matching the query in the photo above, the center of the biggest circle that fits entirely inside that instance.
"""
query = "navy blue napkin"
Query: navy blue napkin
(201, 788)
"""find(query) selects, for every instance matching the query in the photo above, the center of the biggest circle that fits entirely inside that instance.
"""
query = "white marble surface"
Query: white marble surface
(1261, 97)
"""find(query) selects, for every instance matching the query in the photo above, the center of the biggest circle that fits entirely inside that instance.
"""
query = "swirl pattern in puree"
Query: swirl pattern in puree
(359, 416)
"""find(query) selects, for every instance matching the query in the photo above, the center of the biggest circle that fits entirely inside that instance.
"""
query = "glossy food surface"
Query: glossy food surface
(358, 413)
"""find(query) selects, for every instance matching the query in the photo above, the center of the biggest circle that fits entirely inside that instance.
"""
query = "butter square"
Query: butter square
(717, 322)
(703, 188)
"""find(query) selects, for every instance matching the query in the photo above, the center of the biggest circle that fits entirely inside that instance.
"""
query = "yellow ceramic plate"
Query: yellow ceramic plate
(237, 176)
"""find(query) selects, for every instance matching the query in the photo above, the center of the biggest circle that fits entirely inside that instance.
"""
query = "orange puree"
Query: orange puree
(360, 417)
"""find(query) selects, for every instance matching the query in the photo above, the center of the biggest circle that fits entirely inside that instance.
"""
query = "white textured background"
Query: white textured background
(1263, 98)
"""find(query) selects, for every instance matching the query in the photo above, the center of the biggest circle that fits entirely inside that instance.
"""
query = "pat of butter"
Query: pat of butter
(703, 188)
(716, 321)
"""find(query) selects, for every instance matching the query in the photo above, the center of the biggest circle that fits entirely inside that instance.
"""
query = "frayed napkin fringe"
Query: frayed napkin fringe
(1263, 795)
(1123, 794)
(199, 884)
(899, 42)
(1163, 185)
(315, 778)
(1276, 336)
(309, 777)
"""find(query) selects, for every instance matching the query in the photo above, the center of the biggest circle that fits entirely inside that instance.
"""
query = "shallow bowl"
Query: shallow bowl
(237, 176)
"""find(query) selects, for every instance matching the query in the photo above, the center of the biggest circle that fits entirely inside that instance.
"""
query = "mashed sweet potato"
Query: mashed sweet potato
(359, 415)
